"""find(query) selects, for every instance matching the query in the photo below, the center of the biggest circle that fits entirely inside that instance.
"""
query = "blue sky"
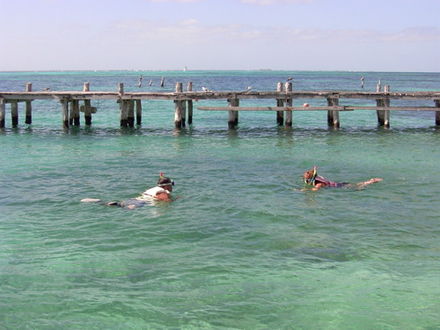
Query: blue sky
(369, 35)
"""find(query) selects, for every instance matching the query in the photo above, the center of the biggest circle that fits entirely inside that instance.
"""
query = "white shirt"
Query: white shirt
(152, 192)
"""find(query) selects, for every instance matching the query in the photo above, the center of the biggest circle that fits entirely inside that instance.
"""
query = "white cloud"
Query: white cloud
(191, 31)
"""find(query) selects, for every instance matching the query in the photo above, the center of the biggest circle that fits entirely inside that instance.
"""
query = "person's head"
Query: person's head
(310, 175)
(165, 183)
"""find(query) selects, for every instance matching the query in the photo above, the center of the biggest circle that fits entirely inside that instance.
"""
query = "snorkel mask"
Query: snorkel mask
(311, 180)
(164, 181)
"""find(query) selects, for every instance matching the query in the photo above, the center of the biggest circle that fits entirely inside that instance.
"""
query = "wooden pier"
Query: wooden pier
(130, 103)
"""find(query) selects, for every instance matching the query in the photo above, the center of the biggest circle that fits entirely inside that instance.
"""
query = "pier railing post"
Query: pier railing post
(288, 87)
(2, 112)
(178, 113)
(28, 113)
(190, 104)
(437, 113)
(138, 112)
(333, 115)
(14, 113)
(280, 103)
(87, 106)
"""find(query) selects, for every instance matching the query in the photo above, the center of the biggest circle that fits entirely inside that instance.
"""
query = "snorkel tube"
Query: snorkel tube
(164, 181)
(311, 180)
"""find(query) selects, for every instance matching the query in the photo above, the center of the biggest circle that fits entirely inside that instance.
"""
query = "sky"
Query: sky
(343, 35)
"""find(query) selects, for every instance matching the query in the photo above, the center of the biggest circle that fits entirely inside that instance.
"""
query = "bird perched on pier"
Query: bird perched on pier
(204, 89)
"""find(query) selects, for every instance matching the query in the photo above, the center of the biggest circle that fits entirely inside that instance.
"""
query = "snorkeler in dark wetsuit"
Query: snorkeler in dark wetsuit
(311, 178)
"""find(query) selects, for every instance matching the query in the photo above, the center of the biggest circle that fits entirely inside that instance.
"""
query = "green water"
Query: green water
(241, 247)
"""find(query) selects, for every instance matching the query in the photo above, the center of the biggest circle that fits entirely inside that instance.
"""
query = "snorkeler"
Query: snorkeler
(161, 192)
(311, 178)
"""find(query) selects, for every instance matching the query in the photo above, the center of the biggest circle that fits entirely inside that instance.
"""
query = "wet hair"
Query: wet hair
(164, 182)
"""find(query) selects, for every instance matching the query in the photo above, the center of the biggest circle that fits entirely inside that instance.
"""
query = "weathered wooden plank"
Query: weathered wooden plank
(236, 108)
(392, 108)
(324, 108)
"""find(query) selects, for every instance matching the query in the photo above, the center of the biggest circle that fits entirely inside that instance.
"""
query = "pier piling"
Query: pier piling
(138, 112)
(383, 116)
(123, 105)
(65, 112)
(280, 103)
(333, 115)
(2, 113)
(437, 113)
(14, 113)
(74, 113)
(130, 113)
(190, 104)
(179, 115)
(28, 113)
(288, 88)
(233, 115)
(87, 106)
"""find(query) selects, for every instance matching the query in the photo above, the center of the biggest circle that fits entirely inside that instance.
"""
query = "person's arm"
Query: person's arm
(365, 183)
(318, 186)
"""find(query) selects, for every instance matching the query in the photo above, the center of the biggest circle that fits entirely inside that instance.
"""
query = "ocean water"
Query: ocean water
(242, 247)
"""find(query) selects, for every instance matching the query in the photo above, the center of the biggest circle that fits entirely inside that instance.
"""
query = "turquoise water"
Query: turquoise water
(242, 247)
